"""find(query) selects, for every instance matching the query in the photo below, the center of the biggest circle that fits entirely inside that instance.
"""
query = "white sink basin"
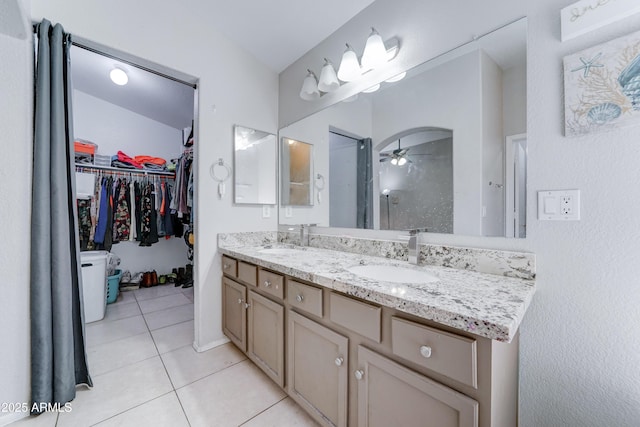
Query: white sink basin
(393, 274)
(280, 251)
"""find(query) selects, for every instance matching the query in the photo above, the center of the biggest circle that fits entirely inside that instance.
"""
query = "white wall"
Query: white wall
(514, 100)
(16, 87)
(233, 88)
(115, 129)
(580, 345)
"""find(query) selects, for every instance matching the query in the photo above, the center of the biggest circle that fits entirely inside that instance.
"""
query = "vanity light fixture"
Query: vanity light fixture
(397, 78)
(328, 78)
(119, 77)
(349, 66)
(375, 54)
(372, 88)
(310, 90)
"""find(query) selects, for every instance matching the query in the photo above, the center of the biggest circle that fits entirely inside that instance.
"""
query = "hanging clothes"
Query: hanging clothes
(122, 218)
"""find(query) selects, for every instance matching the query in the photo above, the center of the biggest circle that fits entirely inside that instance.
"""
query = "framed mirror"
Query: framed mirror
(296, 172)
(254, 173)
(435, 150)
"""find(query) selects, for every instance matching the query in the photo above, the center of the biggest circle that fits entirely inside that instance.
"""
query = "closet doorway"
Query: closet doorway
(135, 128)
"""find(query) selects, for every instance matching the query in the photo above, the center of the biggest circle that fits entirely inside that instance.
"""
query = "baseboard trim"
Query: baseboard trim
(213, 344)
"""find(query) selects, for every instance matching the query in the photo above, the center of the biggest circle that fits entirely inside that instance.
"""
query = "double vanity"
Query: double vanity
(363, 340)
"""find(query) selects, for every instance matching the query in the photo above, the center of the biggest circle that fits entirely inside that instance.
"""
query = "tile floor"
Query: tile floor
(146, 373)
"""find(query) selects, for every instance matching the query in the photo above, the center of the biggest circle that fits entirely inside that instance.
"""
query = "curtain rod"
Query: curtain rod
(133, 64)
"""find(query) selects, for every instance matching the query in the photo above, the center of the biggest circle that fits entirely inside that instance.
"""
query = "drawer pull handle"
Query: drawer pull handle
(300, 298)
(425, 351)
(339, 361)
(267, 283)
(359, 374)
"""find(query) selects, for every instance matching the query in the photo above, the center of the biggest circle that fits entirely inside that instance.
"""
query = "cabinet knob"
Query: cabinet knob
(247, 305)
(240, 301)
(339, 361)
(425, 351)
(359, 374)
(267, 283)
(299, 298)
(226, 266)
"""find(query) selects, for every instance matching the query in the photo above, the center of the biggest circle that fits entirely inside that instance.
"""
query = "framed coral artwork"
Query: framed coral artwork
(602, 86)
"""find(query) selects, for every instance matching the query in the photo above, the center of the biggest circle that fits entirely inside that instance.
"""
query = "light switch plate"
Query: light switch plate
(559, 205)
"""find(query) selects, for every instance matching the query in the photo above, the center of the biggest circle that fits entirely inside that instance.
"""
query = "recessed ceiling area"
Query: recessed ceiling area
(148, 94)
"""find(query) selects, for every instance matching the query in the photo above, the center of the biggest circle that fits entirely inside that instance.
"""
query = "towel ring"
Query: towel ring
(226, 175)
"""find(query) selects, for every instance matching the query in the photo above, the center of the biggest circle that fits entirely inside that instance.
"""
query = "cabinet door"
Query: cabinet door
(234, 312)
(266, 336)
(317, 368)
(391, 395)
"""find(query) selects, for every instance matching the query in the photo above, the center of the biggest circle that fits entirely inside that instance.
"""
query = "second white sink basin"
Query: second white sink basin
(393, 274)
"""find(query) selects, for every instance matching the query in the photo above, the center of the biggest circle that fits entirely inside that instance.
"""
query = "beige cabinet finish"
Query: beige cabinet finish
(317, 370)
(355, 315)
(229, 266)
(304, 297)
(442, 352)
(248, 273)
(266, 336)
(234, 312)
(271, 283)
(391, 395)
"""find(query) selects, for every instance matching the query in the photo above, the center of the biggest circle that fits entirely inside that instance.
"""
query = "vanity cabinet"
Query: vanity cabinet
(266, 336)
(348, 361)
(318, 365)
(390, 394)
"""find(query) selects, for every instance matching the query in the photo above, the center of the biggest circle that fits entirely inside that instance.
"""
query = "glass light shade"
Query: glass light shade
(328, 78)
(372, 88)
(119, 77)
(310, 90)
(349, 69)
(402, 161)
(394, 161)
(375, 54)
(397, 78)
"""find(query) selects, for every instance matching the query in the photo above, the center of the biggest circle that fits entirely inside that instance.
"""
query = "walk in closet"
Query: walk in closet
(134, 145)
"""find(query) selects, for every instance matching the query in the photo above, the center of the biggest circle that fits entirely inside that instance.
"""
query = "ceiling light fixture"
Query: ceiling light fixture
(328, 78)
(372, 88)
(119, 77)
(349, 66)
(310, 90)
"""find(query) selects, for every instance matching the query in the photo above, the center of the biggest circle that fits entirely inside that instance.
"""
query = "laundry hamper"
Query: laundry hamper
(113, 287)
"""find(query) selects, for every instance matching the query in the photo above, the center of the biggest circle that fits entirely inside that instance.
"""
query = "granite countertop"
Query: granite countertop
(487, 305)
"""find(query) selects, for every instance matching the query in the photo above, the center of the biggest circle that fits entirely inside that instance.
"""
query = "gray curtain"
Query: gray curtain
(58, 359)
(364, 187)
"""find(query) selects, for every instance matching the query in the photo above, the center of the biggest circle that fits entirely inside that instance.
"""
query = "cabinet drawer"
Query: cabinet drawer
(229, 266)
(271, 283)
(451, 355)
(355, 315)
(248, 273)
(304, 297)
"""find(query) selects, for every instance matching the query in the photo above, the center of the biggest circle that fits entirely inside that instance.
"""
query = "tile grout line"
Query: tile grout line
(133, 407)
(212, 373)
(263, 411)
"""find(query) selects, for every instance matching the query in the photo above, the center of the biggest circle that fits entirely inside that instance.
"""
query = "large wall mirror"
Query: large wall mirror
(255, 172)
(444, 148)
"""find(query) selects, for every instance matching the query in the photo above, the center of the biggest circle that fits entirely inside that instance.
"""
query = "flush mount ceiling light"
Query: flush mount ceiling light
(119, 77)
(328, 78)
(349, 66)
(375, 54)
(310, 90)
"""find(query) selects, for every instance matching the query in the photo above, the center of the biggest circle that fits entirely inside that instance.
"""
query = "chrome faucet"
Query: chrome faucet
(304, 233)
(413, 244)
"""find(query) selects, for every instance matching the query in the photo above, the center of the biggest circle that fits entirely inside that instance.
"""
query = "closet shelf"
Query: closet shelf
(125, 171)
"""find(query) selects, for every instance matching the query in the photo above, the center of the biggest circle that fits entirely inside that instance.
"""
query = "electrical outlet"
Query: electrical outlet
(288, 212)
(559, 205)
(266, 211)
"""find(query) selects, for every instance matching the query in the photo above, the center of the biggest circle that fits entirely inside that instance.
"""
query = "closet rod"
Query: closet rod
(124, 171)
